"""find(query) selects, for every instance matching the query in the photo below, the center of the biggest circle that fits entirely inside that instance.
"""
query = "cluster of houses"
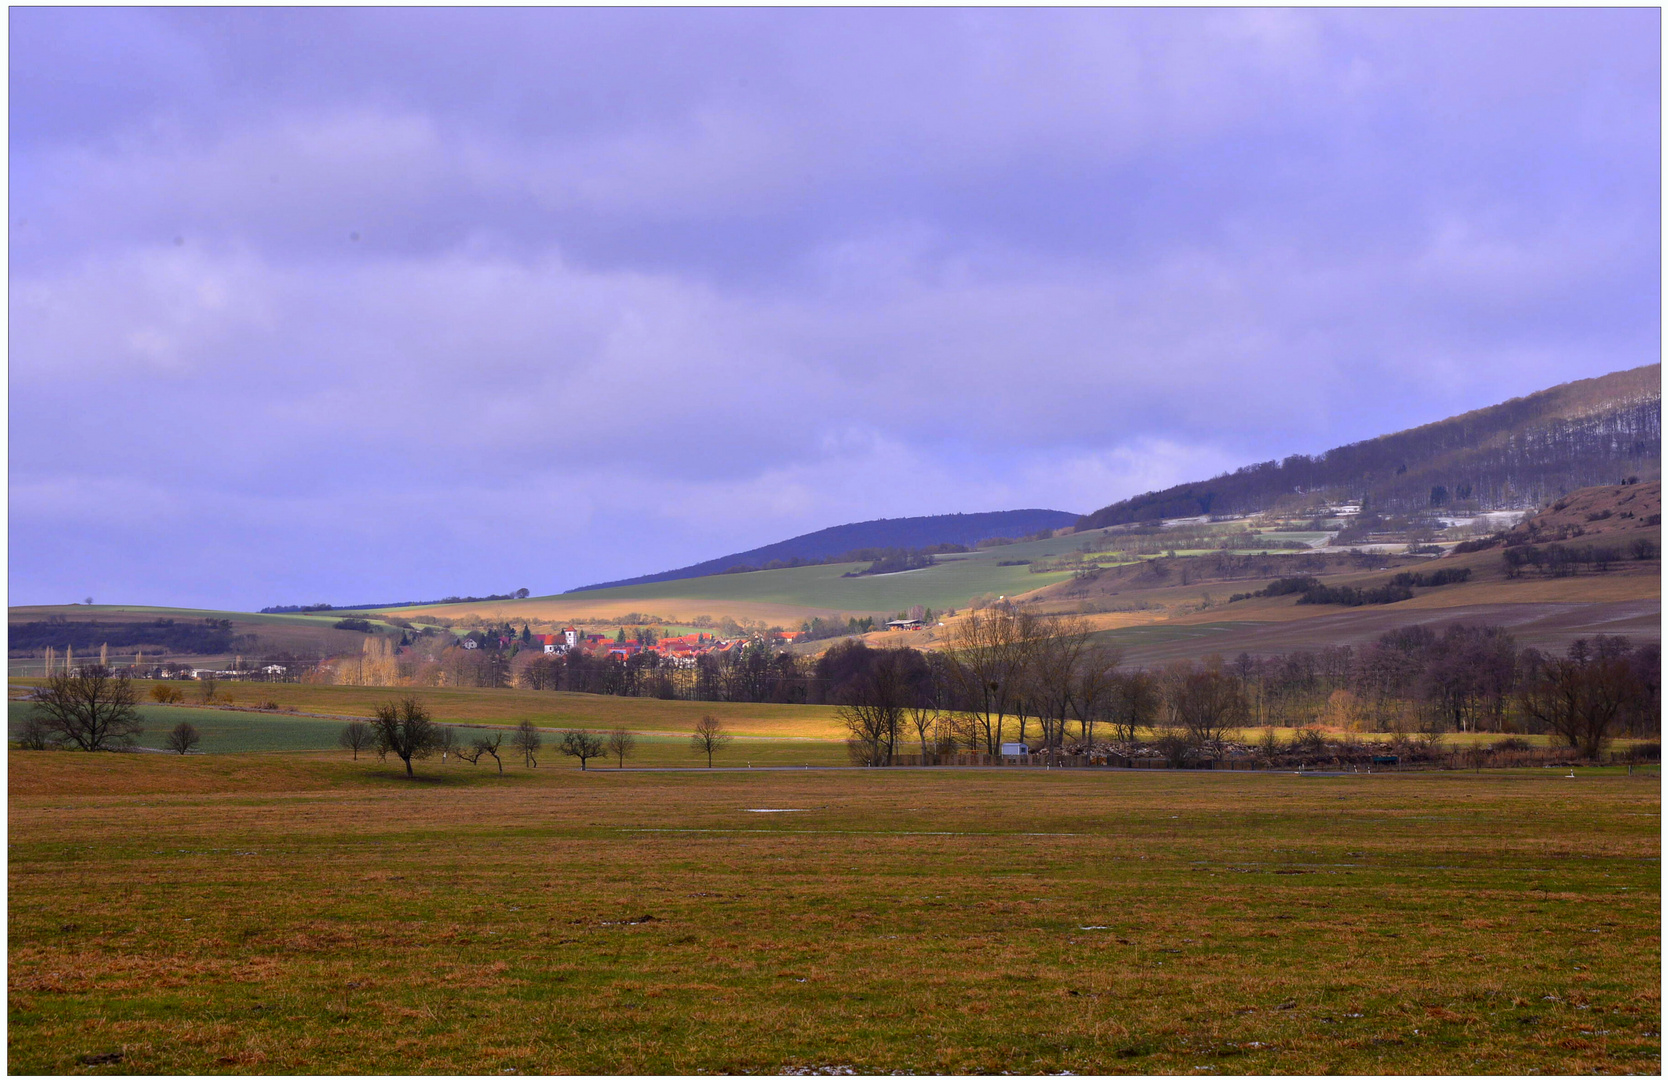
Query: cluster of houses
(683, 649)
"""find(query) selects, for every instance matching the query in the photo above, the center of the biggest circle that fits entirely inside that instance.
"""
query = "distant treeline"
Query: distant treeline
(916, 557)
(1400, 587)
(1563, 560)
(898, 561)
(198, 636)
(1411, 680)
(1518, 453)
(307, 609)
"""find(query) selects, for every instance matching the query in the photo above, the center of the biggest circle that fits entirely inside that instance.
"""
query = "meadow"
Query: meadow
(545, 708)
(792, 595)
(278, 913)
(222, 732)
(776, 735)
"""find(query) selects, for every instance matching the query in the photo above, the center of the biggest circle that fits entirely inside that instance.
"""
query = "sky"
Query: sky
(368, 305)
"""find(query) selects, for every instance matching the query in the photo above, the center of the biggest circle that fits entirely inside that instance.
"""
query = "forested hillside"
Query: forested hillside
(1514, 455)
(863, 539)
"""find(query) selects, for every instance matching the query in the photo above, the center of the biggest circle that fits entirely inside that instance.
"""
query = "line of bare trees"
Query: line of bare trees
(1004, 675)
(1013, 676)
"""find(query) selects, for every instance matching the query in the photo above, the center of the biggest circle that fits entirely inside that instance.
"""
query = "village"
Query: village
(682, 650)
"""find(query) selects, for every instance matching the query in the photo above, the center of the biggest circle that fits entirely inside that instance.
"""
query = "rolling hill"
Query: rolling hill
(910, 532)
(1515, 455)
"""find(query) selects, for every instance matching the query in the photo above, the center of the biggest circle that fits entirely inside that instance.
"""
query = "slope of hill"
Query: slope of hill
(1514, 455)
(1614, 508)
(911, 532)
(791, 596)
(1181, 608)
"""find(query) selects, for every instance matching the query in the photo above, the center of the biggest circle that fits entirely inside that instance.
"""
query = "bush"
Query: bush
(1422, 580)
(183, 738)
(1468, 546)
(164, 694)
(1308, 742)
(35, 734)
(1287, 585)
(1174, 746)
(1511, 743)
(1349, 596)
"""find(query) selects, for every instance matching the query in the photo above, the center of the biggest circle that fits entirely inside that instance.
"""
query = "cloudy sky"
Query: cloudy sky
(369, 305)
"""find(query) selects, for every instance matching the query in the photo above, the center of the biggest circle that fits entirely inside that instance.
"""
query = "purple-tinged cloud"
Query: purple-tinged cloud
(347, 304)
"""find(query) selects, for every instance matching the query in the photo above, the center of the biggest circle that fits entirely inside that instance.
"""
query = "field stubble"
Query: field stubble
(272, 914)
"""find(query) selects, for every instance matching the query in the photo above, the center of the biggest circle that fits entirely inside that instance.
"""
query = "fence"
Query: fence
(1065, 761)
(1539, 757)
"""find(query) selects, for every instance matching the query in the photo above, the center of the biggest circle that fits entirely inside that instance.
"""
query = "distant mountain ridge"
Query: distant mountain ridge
(910, 532)
(1514, 455)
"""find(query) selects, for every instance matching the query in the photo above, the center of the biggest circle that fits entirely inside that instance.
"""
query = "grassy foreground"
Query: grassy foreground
(283, 913)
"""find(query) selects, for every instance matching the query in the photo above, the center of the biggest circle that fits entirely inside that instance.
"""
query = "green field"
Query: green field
(950, 584)
(298, 913)
(545, 708)
(222, 732)
(237, 732)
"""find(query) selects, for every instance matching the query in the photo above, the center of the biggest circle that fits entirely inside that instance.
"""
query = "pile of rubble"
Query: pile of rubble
(1309, 748)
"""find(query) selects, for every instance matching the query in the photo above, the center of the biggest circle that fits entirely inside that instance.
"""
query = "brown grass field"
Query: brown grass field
(275, 913)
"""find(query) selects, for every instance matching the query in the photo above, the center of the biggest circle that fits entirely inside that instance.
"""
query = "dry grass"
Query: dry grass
(282, 915)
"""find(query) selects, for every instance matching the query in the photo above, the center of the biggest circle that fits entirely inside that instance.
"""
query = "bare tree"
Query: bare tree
(621, 743)
(1058, 651)
(990, 651)
(1208, 704)
(470, 752)
(404, 729)
(1580, 698)
(528, 740)
(709, 737)
(926, 701)
(356, 736)
(1094, 690)
(34, 734)
(875, 705)
(206, 687)
(583, 745)
(183, 738)
(90, 710)
(1134, 704)
(486, 743)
